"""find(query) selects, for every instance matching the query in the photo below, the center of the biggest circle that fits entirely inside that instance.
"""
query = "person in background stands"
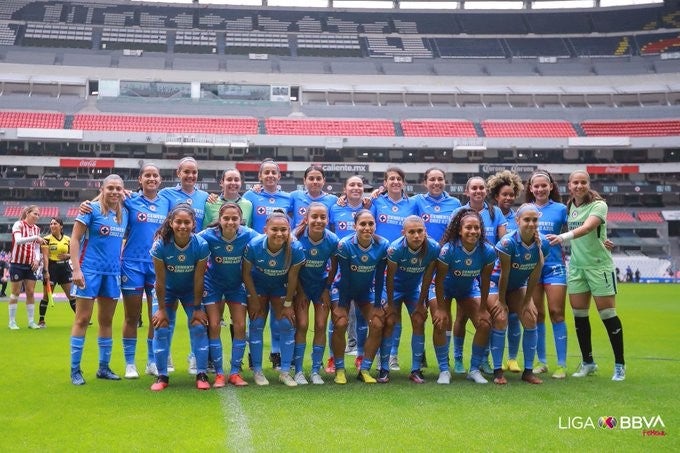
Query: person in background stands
(56, 260)
(24, 263)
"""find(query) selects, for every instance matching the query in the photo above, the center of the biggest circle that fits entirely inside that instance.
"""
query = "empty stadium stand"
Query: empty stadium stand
(279, 126)
(425, 128)
(652, 217)
(32, 120)
(620, 217)
(165, 124)
(657, 128)
(528, 129)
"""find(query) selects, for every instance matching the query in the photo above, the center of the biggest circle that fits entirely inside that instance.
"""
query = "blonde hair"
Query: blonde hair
(119, 207)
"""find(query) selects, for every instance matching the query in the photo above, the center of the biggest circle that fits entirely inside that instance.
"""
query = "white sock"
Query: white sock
(12, 312)
(30, 309)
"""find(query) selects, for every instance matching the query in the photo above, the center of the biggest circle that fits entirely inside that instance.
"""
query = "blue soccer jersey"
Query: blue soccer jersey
(301, 199)
(103, 240)
(180, 262)
(341, 219)
(270, 270)
(314, 273)
(410, 266)
(553, 218)
(197, 199)
(389, 215)
(523, 257)
(361, 270)
(491, 225)
(465, 266)
(145, 217)
(435, 212)
(226, 256)
(264, 204)
(510, 219)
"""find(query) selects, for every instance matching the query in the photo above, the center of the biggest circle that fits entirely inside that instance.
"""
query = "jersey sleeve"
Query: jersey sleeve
(505, 246)
(599, 210)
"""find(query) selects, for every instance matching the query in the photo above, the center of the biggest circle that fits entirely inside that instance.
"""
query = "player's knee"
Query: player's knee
(607, 313)
(340, 323)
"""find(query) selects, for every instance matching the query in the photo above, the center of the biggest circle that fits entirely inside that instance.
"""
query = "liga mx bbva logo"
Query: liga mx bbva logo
(607, 422)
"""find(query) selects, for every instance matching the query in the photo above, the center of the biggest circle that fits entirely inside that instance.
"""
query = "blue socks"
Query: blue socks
(362, 331)
(149, 351)
(129, 348)
(287, 344)
(540, 342)
(458, 344)
(514, 335)
(77, 344)
(385, 349)
(396, 338)
(238, 349)
(478, 356)
(442, 354)
(299, 355)
(497, 342)
(215, 346)
(105, 346)
(199, 346)
(560, 335)
(256, 347)
(161, 342)
(529, 347)
(417, 348)
(317, 357)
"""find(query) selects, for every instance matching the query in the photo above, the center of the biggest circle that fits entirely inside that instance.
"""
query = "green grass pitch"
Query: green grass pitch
(42, 411)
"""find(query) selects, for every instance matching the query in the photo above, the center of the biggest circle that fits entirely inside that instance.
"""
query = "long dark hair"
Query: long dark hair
(492, 211)
(452, 231)
(228, 204)
(300, 229)
(280, 214)
(358, 214)
(554, 192)
(164, 232)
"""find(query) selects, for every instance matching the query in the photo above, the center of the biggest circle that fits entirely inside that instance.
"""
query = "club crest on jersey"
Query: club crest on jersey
(302, 211)
(574, 214)
(342, 225)
(364, 258)
(414, 260)
(152, 207)
(181, 258)
(457, 273)
(170, 267)
(354, 268)
(527, 256)
(437, 208)
(272, 263)
(189, 201)
(382, 218)
(124, 278)
(272, 201)
(515, 265)
(468, 262)
(314, 252)
(395, 208)
(229, 248)
(141, 217)
(261, 210)
(104, 230)
(426, 217)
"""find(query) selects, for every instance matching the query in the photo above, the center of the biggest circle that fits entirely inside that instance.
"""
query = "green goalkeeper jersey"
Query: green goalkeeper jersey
(589, 252)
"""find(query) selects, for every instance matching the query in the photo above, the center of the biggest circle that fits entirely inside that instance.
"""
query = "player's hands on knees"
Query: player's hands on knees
(529, 313)
(199, 317)
(160, 319)
(440, 319)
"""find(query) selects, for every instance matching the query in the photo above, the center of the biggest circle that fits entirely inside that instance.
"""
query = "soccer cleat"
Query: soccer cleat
(300, 378)
(287, 379)
(161, 383)
(476, 377)
(317, 379)
(417, 377)
(211, 367)
(365, 377)
(357, 362)
(531, 378)
(151, 369)
(13, 325)
(77, 377)
(236, 380)
(330, 366)
(394, 363)
(202, 382)
(458, 366)
(351, 349)
(619, 372)
(444, 377)
(559, 373)
(275, 359)
(499, 378)
(540, 368)
(108, 374)
(192, 364)
(220, 381)
(512, 366)
(486, 368)
(33, 325)
(383, 376)
(260, 379)
(42, 325)
(340, 377)
(131, 371)
(171, 365)
(585, 369)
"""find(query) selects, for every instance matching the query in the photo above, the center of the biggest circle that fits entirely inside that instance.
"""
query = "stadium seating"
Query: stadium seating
(13, 211)
(47, 212)
(528, 129)
(72, 212)
(620, 217)
(335, 127)
(657, 128)
(652, 217)
(435, 128)
(40, 120)
(171, 124)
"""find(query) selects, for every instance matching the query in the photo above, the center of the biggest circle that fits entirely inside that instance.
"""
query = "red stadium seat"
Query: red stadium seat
(656, 128)
(652, 217)
(335, 127)
(167, 124)
(545, 129)
(434, 128)
(620, 217)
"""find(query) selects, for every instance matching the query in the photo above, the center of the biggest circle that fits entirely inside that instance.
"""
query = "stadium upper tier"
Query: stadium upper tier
(336, 127)
(300, 32)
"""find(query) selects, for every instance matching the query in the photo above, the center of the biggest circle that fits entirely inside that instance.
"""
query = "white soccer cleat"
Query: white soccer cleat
(300, 378)
(444, 377)
(585, 369)
(131, 371)
(476, 377)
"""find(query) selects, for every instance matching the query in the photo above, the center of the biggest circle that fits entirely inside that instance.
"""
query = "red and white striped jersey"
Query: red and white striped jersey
(24, 253)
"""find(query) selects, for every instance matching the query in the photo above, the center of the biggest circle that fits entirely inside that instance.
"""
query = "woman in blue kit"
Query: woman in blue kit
(315, 280)
(504, 189)
(521, 254)
(271, 264)
(267, 198)
(180, 259)
(464, 270)
(411, 261)
(494, 228)
(186, 192)
(361, 263)
(544, 193)
(314, 181)
(95, 255)
(436, 207)
(227, 240)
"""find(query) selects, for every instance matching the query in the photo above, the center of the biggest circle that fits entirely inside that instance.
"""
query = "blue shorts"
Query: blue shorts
(359, 299)
(408, 298)
(493, 287)
(554, 274)
(20, 272)
(98, 285)
(314, 292)
(136, 275)
(214, 294)
(271, 291)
